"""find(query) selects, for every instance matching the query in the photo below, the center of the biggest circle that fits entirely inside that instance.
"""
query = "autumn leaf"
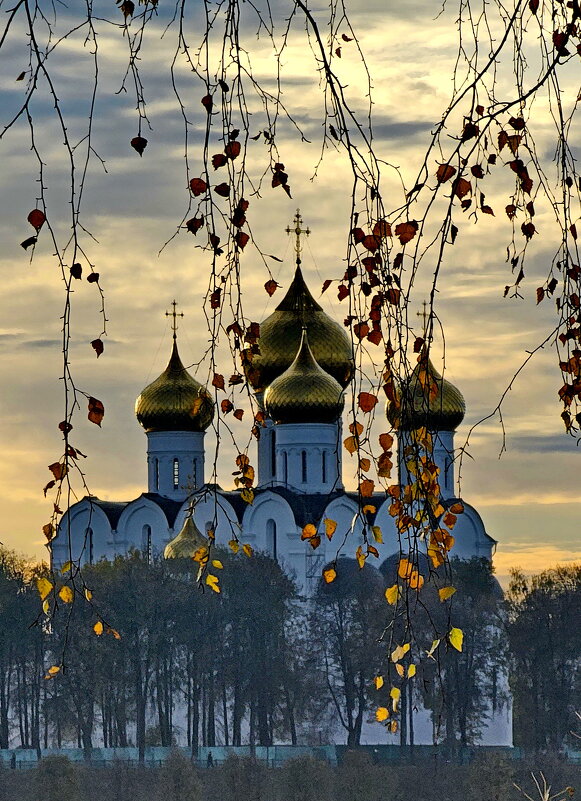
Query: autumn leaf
(247, 495)
(44, 587)
(377, 534)
(241, 239)
(222, 189)
(59, 470)
(432, 648)
(366, 488)
(364, 465)
(96, 411)
(98, 628)
(32, 240)
(88, 594)
(139, 144)
(48, 531)
(37, 219)
(198, 186)
(66, 594)
(52, 671)
(395, 694)
(366, 401)
(411, 671)
(461, 187)
(404, 568)
(330, 528)
(406, 231)
(247, 549)
(392, 594)
(456, 638)
(212, 582)
(329, 574)
(360, 557)
(232, 150)
(308, 532)
(351, 444)
(381, 229)
(98, 347)
(400, 651)
(445, 172)
(194, 224)
(218, 381)
(207, 103)
(234, 546)
(446, 592)
(381, 714)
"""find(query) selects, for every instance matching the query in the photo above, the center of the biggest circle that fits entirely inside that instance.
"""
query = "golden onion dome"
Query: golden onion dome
(304, 393)
(427, 400)
(186, 543)
(175, 401)
(280, 338)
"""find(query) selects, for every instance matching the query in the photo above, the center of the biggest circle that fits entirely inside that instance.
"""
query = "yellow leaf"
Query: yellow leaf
(330, 574)
(446, 592)
(378, 681)
(411, 671)
(52, 671)
(114, 633)
(309, 531)
(394, 694)
(66, 567)
(392, 594)
(404, 568)
(381, 714)
(234, 546)
(45, 607)
(364, 465)
(400, 670)
(44, 587)
(88, 594)
(393, 726)
(247, 550)
(351, 444)
(456, 637)
(212, 581)
(377, 535)
(247, 495)
(330, 528)
(201, 555)
(433, 647)
(400, 652)
(211, 534)
(217, 564)
(98, 628)
(360, 556)
(66, 595)
(369, 509)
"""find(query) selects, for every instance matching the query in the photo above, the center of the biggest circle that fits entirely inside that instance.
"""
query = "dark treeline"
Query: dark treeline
(256, 664)
(357, 779)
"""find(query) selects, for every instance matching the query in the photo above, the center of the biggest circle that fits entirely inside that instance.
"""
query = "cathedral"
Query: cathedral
(300, 374)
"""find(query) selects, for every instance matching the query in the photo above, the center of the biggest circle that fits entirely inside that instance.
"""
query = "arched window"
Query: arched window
(304, 467)
(146, 544)
(272, 453)
(195, 474)
(285, 467)
(176, 473)
(156, 468)
(271, 544)
(324, 467)
(89, 546)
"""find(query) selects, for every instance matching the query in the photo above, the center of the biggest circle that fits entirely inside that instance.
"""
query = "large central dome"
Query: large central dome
(280, 339)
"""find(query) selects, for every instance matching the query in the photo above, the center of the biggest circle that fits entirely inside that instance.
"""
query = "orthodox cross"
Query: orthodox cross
(426, 315)
(173, 313)
(297, 231)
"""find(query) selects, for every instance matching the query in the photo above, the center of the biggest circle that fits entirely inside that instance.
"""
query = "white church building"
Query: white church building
(300, 375)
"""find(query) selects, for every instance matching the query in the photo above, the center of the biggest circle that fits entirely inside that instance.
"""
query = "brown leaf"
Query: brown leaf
(366, 488)
(360, 330)
(517, 123)
(477, 171)
(375, 337)
(534, 6)
(326, 284)
(28, 242)
(338, 52)
(232, 150)
(393, 295)
(93, 278)
(513, 142)
(77, 271)
(218, 381)
(222, 189)
(65, 427)
(50, 485)
(37, 219)
(241, 239)
(540, 294)
(381, 229)
(207, 103)
(470, 131)
(346, 38)
(406, 231)
(343, 292)
(358, 235)
(528, 229)
(59, 470)
(366, 401)
(445, 172)
(198, 186)
(386, 442)
(219, 160)
(226, 406)
(223, 85)
(371, 243)
(271, 287)
(96, 411)
(511, 211)
(194, 224)
(139, 144)
(461, 187)
(98, 347)
(21, 76)
(238, 413)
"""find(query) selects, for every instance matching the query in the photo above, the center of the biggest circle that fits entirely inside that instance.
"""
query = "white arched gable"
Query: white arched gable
(91, 538)
(271, 506)
(348, 534)
(391, 539)
(470, 536)
(130, 529)
(212, 511)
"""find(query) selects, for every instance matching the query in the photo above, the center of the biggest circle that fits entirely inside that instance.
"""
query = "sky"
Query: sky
(529, 498)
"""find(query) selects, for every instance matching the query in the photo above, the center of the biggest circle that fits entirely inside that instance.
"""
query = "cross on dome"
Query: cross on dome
(297, 231)
(173, 313)
(426, 315)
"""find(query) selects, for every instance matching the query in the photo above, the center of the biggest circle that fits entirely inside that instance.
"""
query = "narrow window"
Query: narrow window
(446, 471)
(89, 544)
(324, 466)
(304, 466)
(146, 545)
(157, 474)
(176, 473)
(272, 454)
(271, 544)
(195, 474)
(285, 467)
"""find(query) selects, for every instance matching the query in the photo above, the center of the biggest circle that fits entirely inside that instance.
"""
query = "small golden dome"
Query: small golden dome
(304, 393)
(175, 401)
(280, 338)
(427, 399)
(188, 541)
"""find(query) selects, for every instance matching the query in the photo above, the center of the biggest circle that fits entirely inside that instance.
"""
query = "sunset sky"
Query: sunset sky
(530, 499)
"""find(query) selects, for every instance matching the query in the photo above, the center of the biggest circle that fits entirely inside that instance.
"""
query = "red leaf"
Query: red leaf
(65, 427)
(226, 406)
(338, 52)
(219, 160)
(517, 122)
(371, 243)
(98, 347)
(37, 219)
(406, 231)
(218, 381)
(381, 229)
(346, 38)
(241, 239)
(96, 411)
(194, 224)
(232, 150)
(238, 414)
(326, 284)
(540, 294)
(445, 172)
(534, 6)
(214, 242)
(511, 211)
(198, 186)
(222, 189)
(343, 292)
(358, 235)
(360, 330)
(215, 298)
(366, 401)
(375, 337)
(207, 103)
(139, 144)
(393, 295)
(528, 229)
(502, 139)
(271, 287)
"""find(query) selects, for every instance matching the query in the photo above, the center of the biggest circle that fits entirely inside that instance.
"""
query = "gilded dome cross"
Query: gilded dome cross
(297, 231)
(426, 314)
(173, 313)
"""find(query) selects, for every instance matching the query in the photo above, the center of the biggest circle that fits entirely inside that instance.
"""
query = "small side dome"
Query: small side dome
(175, 401)
(304, 393)
(188, 541)
(280, 337)
(427, 399)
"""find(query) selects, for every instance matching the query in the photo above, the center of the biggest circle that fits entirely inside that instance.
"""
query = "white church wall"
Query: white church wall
(90, 536)
(132, 529)
(470, 536)
(212, 511)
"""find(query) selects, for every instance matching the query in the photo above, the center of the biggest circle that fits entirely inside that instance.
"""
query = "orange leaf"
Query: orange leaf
(406, 231)
(218, 381)
(271, 287)
(445, 172)
(366, 488)
(96, 411)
